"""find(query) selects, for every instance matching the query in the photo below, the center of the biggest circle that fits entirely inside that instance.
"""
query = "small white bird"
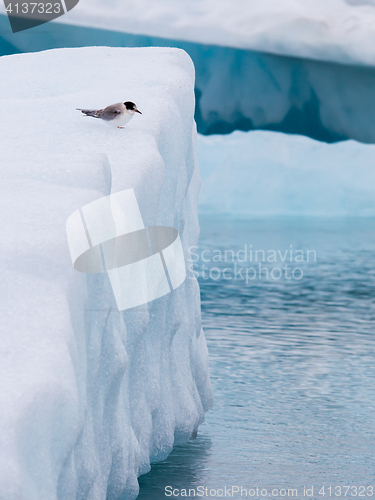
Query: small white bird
(117, 115)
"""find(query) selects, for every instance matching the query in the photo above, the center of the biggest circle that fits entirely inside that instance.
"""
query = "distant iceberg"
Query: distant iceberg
(336, 30)
(90, 396)
(273, 174)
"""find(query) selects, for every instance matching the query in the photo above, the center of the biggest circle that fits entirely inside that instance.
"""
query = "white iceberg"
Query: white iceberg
(335, 30)
(89, 395)
(271, 174)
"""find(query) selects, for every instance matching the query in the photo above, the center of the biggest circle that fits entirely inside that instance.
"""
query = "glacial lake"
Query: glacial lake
(291, 362)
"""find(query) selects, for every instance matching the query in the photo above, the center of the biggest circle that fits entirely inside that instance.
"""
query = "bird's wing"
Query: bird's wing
(110, 112)
(89, 112)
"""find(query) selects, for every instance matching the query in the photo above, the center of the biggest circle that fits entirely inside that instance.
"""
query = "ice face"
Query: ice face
(248, 90)
(269, 173)
(88, 395)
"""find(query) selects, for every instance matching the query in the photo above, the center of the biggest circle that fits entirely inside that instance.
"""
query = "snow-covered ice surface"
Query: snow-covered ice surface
(270, 174)
(88, 395)
(333, 30)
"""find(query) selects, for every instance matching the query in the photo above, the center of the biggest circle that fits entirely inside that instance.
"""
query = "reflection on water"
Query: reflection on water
(292, 361)
(185, 465)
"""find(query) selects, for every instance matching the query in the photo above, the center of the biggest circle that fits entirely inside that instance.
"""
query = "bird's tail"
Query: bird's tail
(89, 112)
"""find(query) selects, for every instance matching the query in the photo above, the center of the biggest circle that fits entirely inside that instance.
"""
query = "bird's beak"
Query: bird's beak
(137, 111)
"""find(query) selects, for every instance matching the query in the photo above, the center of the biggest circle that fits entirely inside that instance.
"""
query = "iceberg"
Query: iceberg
(89, 396)
(337, 31)
(263, 173)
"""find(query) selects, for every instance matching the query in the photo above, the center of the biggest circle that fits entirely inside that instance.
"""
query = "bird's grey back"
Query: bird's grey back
(110, 112)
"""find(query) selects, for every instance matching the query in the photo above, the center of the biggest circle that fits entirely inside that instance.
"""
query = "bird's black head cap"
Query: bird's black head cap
(129, 105)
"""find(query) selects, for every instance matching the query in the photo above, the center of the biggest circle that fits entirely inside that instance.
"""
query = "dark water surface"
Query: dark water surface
(291, 360)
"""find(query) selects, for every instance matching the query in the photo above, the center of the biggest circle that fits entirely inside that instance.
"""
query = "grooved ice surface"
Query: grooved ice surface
(88, 395)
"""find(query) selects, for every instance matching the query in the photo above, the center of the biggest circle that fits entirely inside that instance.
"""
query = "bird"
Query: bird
(116, 115)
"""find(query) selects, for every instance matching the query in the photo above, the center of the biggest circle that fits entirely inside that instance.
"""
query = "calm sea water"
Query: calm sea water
(291, 360)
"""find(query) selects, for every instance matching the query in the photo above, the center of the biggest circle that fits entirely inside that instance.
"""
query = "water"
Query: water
(292, 364)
